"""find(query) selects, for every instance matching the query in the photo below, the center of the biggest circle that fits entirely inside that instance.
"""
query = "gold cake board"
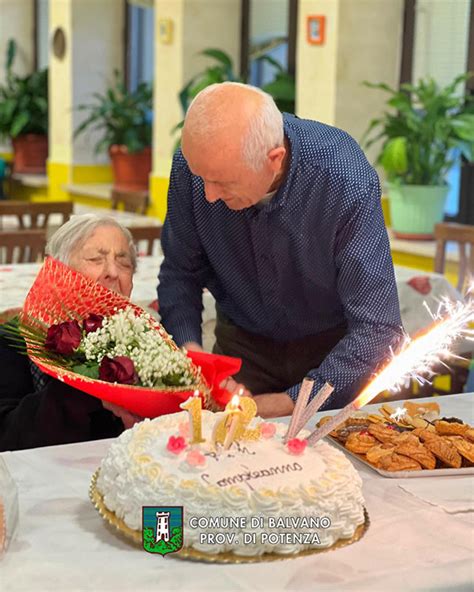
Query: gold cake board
(228, 557)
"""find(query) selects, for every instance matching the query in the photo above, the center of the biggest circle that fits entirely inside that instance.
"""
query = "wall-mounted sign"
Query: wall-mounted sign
(165, 31)
(315, 28)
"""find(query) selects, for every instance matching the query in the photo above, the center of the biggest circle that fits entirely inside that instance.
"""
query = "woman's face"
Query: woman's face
(105, 258)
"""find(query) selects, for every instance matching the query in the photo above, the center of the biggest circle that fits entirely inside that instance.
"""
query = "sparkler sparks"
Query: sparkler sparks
(416, 358)
(399, 414)
(420, 355)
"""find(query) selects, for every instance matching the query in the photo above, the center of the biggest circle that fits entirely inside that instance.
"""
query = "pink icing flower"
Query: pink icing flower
(176, 444)
(195, 458)
(183, 429)
(296, 446)
(267, 430)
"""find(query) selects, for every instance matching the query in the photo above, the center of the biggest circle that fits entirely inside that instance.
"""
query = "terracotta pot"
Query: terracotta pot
(30, 152)
(131, 171)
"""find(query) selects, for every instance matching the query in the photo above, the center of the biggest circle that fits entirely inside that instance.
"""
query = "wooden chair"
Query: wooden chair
(37, 212)
(132, 201)
(22, 246)
(146, 233)
(464, 236)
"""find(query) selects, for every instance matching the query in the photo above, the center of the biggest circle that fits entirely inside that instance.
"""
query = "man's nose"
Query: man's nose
(213, 193)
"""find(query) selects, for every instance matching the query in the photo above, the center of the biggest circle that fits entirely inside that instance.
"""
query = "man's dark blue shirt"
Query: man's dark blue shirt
(315, 257)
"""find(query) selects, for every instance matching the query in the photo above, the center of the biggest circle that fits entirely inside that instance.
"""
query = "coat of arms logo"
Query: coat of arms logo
(162, 528)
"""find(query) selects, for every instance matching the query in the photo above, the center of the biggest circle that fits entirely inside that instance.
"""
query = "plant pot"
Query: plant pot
(131, 171)
(30, 152)
(415, 209)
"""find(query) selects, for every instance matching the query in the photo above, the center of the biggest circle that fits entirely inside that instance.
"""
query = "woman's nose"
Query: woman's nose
(111, 268)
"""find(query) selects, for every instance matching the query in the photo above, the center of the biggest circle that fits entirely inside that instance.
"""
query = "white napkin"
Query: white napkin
(452, 494)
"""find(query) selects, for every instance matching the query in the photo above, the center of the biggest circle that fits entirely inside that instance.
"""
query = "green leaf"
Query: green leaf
(92, 371)
(394, 156)
(18, 124)
(220, 56)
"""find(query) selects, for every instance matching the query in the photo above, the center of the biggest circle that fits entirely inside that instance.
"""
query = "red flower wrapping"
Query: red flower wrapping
(92, 323)
(64, 338)
(59, 289)
(119, 369)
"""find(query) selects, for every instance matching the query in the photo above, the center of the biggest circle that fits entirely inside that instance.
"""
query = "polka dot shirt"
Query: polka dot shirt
(315, 257)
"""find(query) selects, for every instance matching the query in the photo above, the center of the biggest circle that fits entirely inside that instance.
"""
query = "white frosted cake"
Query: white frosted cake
(277, 498)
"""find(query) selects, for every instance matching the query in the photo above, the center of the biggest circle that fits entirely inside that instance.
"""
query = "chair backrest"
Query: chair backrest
(132, 201)
(35, 215)
(22, 246)
(464, 236)
(146, 233)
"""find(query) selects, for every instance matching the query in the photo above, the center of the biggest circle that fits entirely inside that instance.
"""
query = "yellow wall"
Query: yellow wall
(196, 25)
(316, 89)
(362, 42)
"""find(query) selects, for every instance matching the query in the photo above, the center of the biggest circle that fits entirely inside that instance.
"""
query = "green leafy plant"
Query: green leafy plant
(23, 100)
(427, 125)
(123, 117)
(221, 71)
(282, 88)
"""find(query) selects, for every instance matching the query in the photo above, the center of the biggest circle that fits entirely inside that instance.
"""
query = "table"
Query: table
(63, 544)
(414, 288)
(128, 219)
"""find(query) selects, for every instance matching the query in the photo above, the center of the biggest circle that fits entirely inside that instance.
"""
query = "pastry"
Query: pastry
(444, 450)
(445, 428)
(360, 442)
(398, 462)
(382, 432)
(375, 453)
(419, 453)
(465, 448)
(420, 408)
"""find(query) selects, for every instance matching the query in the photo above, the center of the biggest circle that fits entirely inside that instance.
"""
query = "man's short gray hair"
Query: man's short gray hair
(265, 130)
(74, 233)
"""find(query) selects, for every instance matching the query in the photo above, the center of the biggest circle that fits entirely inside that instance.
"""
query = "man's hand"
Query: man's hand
(128, 419)
(192, 346)
(274, 405)
(235, 388)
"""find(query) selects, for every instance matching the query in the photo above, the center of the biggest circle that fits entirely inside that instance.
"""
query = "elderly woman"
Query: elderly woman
(36, 410)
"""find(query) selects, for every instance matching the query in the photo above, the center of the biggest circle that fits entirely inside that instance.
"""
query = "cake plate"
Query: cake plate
(228, 557)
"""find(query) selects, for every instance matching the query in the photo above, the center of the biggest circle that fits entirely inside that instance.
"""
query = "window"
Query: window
(140, 45)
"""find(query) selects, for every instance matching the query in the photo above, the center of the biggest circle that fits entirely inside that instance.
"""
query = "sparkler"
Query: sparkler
(415, 359)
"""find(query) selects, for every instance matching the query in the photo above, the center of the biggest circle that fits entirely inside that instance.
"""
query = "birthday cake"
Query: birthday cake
(260, 495)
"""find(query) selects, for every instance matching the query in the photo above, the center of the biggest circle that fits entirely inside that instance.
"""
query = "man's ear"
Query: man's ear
(276, 157)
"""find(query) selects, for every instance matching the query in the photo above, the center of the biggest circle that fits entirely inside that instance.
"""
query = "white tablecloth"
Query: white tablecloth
(414, 288)
(63, 544)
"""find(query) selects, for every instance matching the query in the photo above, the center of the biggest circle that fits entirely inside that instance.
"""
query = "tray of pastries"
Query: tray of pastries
(412, 441)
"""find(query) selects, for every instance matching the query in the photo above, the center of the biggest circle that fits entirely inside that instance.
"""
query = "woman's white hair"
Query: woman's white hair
(74, 233)
(265, 130)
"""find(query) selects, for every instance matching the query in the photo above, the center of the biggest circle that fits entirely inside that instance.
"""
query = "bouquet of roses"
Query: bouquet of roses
(99, 342)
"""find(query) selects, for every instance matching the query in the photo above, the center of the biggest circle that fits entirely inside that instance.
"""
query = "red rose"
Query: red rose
(119, 369)
(92, 323)
(64, 338)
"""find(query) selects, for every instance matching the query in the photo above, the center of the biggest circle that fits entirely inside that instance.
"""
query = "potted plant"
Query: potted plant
(24, 116)
(125, 122)
(423, 134)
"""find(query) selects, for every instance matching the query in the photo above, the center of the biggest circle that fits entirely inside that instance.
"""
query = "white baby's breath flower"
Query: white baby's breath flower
(156, 362)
